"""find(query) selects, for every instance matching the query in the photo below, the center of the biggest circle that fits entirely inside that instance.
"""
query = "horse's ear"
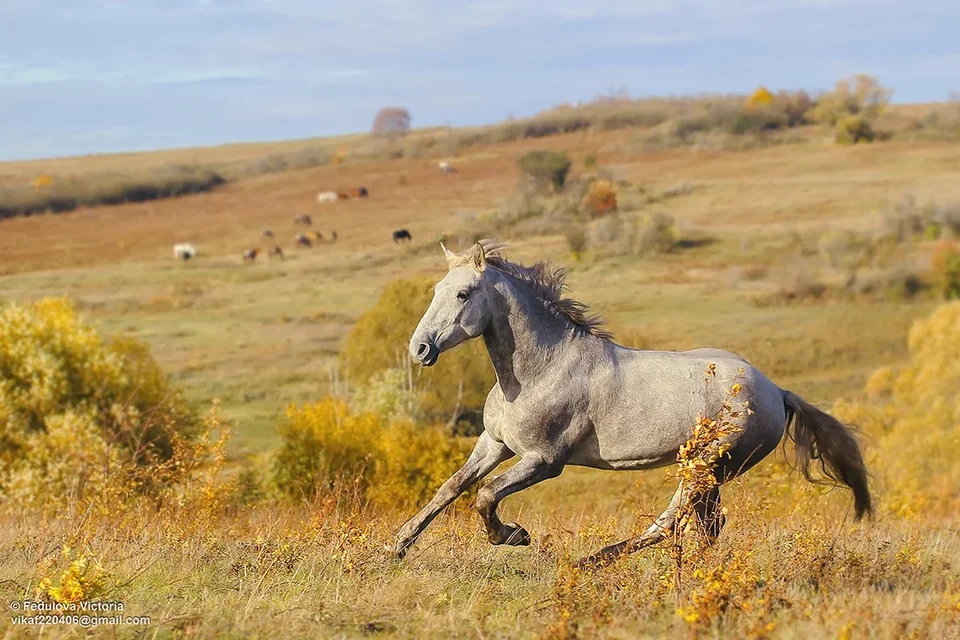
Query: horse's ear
(449, 255)
(479, 257)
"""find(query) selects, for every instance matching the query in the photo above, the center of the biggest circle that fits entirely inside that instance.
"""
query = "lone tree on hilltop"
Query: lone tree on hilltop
(391, 121)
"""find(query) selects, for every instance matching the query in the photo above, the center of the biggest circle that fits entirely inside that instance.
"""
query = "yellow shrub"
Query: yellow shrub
(456, 385)
(913, 418)
(326, 446)
(80, 580)
(78, 412)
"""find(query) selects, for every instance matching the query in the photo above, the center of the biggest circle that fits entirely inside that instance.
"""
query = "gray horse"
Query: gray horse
(567, 394)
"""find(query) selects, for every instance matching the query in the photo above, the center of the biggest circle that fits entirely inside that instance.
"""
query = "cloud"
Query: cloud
(12, 75)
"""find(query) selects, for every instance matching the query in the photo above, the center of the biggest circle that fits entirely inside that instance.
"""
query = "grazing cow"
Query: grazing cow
(327, 196)
(343, 195)
(250, 255)
(275, 251)
(184, 251)
(302, 241)
(401, 235)
(446, 167)
(267, 233)
(303, 219)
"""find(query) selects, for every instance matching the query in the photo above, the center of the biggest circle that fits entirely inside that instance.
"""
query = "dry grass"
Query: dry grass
(262, 336)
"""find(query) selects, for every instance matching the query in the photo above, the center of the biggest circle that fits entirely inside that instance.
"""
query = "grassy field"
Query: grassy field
(262, 336)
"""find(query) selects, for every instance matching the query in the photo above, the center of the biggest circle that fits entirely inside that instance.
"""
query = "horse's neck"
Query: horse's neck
(525, 338)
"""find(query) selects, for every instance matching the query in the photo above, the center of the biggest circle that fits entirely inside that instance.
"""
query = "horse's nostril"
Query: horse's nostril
(423, 350)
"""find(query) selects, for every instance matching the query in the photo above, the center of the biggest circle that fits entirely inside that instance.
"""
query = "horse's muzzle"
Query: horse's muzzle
(425, 354)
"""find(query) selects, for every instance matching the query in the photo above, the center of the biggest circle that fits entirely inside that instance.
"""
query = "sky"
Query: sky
(82, 76)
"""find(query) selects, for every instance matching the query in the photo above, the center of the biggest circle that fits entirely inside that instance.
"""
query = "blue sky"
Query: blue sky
(78, 76)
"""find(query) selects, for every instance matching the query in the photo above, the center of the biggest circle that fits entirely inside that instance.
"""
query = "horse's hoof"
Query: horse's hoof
(400, 550)
(515, 535)
(592, 563)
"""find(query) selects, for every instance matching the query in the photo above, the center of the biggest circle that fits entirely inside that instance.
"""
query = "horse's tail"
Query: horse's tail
(819, 436)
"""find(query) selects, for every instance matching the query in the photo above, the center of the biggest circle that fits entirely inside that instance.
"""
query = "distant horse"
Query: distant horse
(250, 255)
(567, 394)
(327, 196)
(302, 241)
(401, 235)
(184, 251)
(343, 195)
(303, 219)
(275, 251)
(359, 192)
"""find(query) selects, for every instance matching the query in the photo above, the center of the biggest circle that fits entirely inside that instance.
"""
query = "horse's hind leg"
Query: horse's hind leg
(709, 513)
(657, 532)
(705, 506)
(527, 472)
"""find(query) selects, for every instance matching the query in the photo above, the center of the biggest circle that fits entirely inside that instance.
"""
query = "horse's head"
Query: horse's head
(460, 308)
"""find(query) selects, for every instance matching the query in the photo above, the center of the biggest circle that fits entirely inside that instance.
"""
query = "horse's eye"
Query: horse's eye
(463, 295)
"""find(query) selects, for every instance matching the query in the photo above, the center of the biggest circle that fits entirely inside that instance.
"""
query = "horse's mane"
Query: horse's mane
(547, 283)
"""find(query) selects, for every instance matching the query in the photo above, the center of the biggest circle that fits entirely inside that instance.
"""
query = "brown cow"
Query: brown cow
(250, 255)
(343, 195)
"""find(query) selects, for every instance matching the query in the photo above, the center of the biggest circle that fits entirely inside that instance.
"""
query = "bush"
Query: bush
(456, 385)
(326, 447)
(854, 129)
(546, 167)
(77, 411)
(600, 199)
(860, 95)
(576, 240)
(635, 235)
(911, 414)
(946, 269)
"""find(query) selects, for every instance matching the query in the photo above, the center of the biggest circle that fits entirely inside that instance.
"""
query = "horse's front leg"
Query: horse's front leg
(527, 472)
(486, 455)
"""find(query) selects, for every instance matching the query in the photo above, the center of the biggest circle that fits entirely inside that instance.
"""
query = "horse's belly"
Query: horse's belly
(623, 451)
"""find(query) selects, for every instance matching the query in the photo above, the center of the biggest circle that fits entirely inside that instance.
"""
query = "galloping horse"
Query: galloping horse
(275, 251)
(567, 394)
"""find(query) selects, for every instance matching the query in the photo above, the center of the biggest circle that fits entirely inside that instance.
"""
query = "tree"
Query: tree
(391, 121)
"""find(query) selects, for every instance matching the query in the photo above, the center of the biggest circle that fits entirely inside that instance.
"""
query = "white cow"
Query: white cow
(327, 196)
(184, 251)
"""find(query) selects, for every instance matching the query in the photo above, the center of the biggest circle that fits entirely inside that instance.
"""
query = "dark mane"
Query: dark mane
(548, 284)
